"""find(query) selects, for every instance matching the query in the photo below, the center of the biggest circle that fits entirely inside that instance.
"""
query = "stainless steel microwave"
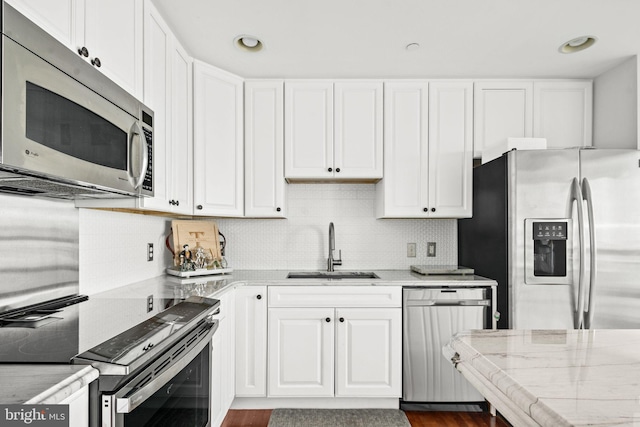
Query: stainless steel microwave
(67, 130)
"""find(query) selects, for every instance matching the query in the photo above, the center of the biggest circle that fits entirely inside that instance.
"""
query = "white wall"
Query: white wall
(301, 240)
(113, 249)
(615, 107)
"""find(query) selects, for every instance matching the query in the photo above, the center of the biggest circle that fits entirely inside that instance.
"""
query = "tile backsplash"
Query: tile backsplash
(301, 240)
(112, 245)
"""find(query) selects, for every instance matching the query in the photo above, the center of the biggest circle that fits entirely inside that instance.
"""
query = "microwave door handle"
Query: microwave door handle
(586, 195)
(137, 131)
(576, 196)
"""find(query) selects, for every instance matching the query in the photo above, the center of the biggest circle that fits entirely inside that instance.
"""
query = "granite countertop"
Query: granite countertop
(554, 377)
(42, 384)
(109, 313)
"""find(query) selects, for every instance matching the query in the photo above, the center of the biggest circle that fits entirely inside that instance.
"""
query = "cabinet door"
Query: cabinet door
(112, 32)
(450, 149)
(78, 407)
(218, 142)
(301, 352)
(501, 110)
(308, 137)
(403, 192)
(358, 130)
(181, 160)
(563, 113)
(251, 341)
(223, 361)
(264, 149)
(157, 92)
(368, 352)
(56, 17)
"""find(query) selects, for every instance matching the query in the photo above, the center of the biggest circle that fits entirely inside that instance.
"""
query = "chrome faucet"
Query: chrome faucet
(332, 247)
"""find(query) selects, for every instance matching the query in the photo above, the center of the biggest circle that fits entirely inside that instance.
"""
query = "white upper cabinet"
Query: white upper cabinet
(562, 113)
(501, 110)
(358, 130)
(308, 129)
(112, 33)
(108, 33)
(450, 149)
(558, 110)
(428, 150)
(264, 149)
(404, 191)
(218, 142)
(56, 17)
(333, 130)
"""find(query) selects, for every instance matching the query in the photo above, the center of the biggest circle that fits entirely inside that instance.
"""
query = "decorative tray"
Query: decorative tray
(174, 271)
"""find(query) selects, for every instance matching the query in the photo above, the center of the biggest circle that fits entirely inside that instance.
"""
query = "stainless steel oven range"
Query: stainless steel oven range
(158, 372)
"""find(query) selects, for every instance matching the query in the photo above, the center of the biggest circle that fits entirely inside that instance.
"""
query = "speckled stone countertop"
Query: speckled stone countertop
(42, 384)
(109, 313)
(555, 377)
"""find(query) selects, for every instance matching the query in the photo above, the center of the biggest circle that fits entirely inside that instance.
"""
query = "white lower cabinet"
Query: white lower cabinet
(251, 341)
(78, 407)
(223, 361)
(338, 341)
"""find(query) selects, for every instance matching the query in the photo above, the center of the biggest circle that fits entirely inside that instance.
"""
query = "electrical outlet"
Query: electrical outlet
(149, 251)
(411, 250)
(149, 303)
(431, 249)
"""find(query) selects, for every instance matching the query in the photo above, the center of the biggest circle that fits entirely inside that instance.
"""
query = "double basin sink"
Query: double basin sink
(332, 275)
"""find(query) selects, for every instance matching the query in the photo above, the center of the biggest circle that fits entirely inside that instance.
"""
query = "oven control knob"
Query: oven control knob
(210, 319)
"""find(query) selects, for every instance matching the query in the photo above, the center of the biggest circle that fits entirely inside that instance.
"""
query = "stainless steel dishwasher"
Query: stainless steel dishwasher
(431, 316)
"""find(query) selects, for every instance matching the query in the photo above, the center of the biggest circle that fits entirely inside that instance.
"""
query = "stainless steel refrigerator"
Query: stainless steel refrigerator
(559, 230)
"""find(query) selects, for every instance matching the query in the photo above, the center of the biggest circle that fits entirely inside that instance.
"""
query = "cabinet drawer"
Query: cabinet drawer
(335, 296)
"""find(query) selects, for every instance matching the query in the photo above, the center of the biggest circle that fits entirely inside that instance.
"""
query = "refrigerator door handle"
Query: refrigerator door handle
(576, 196)
(586, 195)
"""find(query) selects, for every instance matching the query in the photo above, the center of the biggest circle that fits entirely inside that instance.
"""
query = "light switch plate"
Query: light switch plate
(431, 249)
(411, 250)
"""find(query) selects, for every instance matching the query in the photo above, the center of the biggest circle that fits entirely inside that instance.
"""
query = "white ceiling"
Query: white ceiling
(367, 38)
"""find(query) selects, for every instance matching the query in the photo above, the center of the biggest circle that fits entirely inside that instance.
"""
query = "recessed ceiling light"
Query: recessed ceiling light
(413, 46)
(577, 44)
(248, 43)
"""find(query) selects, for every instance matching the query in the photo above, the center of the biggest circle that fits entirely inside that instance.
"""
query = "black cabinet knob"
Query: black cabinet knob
(433, 209)
(278, 209)
(83, 51)
(337, 169)
(199, 207)
(342, 319)
(426, 209)
(96, 62)
(177, 202)
(330, 169)
(328, 319)
(259, 296)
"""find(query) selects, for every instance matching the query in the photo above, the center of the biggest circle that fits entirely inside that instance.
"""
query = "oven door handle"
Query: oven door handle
(124, 405)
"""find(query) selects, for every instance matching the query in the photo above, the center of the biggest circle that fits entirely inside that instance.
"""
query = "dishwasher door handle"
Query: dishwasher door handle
(451, 302)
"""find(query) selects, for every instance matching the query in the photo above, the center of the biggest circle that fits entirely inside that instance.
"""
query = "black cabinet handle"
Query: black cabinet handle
(328, 319)
(330, 169)
(83, 51)
(278, 209)
(337, 169)
(259, 296)
(199, 207)
(177, 202)
(342, 319)
(433, 209)
(426, 209)
(96, 62)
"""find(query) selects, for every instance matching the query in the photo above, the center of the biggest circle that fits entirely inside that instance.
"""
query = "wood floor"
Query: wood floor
(260, 418)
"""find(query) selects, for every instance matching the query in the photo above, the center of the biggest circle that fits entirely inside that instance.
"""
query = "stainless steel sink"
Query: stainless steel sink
(332, 275)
